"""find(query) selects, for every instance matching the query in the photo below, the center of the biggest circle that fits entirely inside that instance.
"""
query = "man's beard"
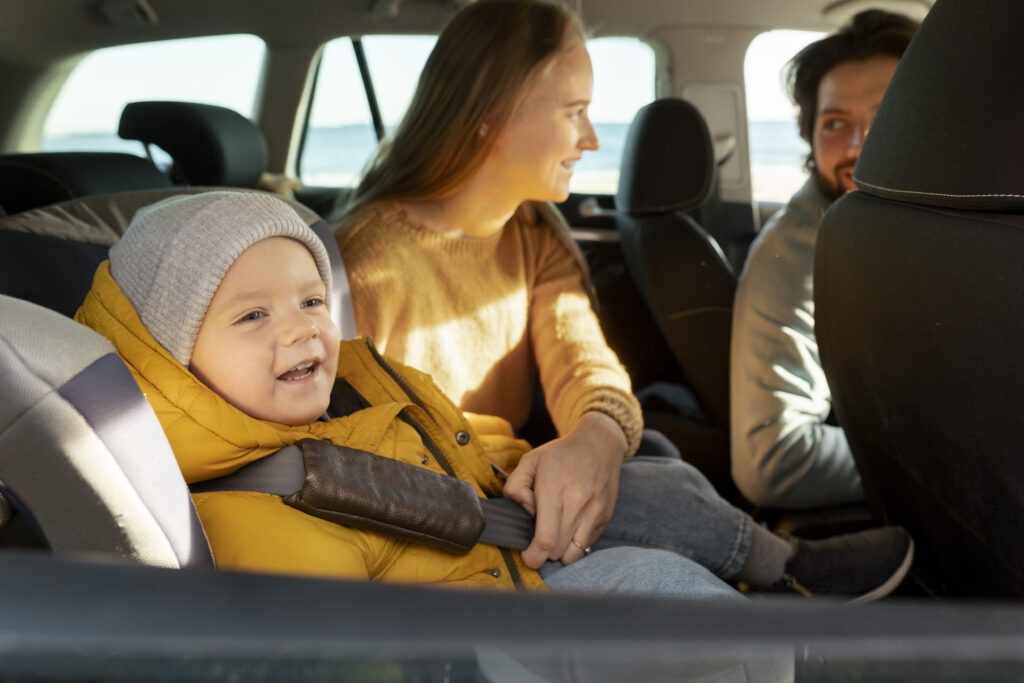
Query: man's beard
(831, 186)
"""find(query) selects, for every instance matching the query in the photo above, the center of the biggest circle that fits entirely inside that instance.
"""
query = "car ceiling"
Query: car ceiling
(43, 31)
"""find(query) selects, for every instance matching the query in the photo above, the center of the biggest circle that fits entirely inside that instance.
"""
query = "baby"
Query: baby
(219, 305)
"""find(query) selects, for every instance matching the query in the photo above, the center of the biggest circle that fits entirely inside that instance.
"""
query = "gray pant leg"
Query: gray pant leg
(666, 503)
(627, 570)
(637, 571)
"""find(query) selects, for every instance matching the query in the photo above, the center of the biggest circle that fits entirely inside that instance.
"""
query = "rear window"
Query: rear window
(221, 70)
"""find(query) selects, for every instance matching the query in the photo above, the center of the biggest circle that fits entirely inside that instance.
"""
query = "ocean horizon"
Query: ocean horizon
(336, 155)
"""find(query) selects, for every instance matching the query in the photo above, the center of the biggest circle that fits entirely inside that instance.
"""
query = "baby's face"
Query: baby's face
(267, 344)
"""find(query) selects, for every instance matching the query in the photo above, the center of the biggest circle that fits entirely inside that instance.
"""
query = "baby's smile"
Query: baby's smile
(301, 371)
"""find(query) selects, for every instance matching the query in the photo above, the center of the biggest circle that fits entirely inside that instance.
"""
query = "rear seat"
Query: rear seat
(48, 255)
(31, 180)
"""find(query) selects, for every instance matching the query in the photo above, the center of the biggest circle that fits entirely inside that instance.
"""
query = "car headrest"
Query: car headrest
(82, 454)
(948, 130)
(38, 179)
(210, 145)
(668, 162)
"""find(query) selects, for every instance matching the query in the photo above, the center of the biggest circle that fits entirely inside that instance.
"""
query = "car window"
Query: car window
(340, 138)
(777, 153)
(221, 70)
(339, 135)
(395, 64)
(623, 82)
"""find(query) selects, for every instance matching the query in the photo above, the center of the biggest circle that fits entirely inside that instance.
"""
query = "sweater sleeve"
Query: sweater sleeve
(578, 371)
(783, 452)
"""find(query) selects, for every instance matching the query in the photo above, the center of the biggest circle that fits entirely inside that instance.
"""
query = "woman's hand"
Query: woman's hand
(570, 485)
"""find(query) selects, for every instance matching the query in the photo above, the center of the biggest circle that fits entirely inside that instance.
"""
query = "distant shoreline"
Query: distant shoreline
(336, 155)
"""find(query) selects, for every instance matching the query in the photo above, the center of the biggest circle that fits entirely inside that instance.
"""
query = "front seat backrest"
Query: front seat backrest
(210, 145)
(919, 284)
(82, 455)
(669, 168)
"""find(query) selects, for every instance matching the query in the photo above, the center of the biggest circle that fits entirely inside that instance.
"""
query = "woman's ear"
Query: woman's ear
(484, 130)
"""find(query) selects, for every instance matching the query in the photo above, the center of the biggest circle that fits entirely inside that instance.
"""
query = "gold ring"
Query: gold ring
(586, 550)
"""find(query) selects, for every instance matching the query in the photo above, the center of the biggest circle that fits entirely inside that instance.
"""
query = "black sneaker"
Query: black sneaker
(867, 565)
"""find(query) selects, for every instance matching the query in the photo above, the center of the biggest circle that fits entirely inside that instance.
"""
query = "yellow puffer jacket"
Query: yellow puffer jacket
(257, 531)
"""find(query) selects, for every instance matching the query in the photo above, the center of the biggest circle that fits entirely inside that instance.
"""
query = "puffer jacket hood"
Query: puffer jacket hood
(408, 419)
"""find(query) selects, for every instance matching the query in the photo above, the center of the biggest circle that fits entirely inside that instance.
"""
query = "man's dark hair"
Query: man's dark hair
(872, 33)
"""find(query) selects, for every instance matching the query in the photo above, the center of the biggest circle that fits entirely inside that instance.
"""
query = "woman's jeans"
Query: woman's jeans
(664, 504)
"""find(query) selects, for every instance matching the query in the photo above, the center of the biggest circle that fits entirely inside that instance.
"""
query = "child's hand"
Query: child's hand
(570, 485)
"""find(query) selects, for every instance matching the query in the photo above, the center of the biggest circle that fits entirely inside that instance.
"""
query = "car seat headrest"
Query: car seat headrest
(210, 145)
(948, 132)
(668, 161)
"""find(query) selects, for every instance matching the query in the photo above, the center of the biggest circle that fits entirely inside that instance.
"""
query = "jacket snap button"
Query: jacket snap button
(426, 459)
(496, 573)
(462, 438)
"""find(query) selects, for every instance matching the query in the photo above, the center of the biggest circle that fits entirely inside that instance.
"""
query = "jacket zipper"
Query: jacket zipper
(506, 554)
(408, 419)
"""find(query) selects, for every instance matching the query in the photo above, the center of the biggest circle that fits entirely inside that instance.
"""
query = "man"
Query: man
(785, 451)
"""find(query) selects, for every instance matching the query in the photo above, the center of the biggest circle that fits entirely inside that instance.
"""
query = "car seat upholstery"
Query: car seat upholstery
(48, 255)
(210, 145)
(28, 181)
(919, 284)
(82, 456)
(668, 168)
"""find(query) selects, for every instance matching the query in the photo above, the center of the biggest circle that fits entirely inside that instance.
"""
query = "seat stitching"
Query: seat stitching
(934, 194)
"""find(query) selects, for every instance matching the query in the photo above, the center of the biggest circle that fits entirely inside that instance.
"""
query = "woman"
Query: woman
(458, 268)
(492, 290)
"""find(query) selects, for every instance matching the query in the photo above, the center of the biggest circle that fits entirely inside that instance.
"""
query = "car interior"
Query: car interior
(918, 284)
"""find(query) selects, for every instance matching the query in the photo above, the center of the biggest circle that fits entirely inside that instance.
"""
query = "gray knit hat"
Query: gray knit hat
(175, 253)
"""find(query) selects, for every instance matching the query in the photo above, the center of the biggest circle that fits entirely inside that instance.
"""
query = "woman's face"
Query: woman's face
(534, 156)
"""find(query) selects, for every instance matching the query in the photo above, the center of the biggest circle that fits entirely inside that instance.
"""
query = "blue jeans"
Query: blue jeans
(666, 503)
(636, 571)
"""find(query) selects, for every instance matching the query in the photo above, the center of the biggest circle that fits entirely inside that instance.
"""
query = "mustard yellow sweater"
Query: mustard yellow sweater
(484, 315)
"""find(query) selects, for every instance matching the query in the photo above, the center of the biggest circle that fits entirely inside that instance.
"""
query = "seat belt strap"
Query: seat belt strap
(282, 473)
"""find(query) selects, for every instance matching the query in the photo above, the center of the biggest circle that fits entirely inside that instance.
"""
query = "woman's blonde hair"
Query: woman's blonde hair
(476, 74)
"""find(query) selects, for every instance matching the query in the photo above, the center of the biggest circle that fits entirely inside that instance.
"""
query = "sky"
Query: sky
(225, 70)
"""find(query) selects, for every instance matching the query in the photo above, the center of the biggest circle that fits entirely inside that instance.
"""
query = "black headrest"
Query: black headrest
(210, 145)
(31, 180)
(948, 131)
(668, 162)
